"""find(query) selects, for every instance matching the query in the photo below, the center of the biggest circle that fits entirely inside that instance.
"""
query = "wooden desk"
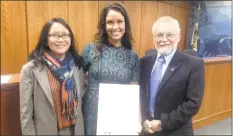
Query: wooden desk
(216, 104)
(10, 116)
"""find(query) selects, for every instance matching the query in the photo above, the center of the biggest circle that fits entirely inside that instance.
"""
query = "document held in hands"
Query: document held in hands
(118, 109)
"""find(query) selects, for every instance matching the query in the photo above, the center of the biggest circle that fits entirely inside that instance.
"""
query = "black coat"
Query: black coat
(179, 96)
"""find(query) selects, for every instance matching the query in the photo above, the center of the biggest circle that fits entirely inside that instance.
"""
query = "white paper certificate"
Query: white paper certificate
(5, 79)
(118, 109)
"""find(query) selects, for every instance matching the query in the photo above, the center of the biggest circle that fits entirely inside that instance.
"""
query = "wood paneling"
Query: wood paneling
(135, 20)
(10, 116)
(216, 103)
(13, 36)
(83, 18)
(218, 59)
(4, 122)
(82, 21)
(102, 4)
(149, 15)
(90, 19)
(181, 14)
(10, 111)
(76, 21)
(38, 13)
(182, 4)
(164, 9)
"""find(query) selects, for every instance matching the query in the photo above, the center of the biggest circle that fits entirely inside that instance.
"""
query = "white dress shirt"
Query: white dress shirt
(167, 61)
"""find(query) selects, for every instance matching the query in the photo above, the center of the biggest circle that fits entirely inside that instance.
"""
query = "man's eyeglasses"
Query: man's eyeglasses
(57, 36)
(160, 36)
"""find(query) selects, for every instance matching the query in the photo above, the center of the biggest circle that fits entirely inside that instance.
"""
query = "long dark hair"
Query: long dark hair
(42, 45)
(102, 37)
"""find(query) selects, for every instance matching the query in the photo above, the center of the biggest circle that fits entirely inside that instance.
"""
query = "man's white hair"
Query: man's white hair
(166, 19)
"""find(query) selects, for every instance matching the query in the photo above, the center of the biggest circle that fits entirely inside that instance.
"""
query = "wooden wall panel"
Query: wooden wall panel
(76, 22)
(164, 9)
(149, 15)
(181, 14)
(82, 21)
(83, 18)
(182, 4)
(38, 13)
(91, 20)
(4, 115)
(217, 99)
(10, 109)
(135, 20)
(13, 36)
(102, 4)
(10, 125)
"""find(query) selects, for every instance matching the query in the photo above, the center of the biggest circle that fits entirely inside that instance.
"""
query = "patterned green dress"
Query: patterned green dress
(114, 65)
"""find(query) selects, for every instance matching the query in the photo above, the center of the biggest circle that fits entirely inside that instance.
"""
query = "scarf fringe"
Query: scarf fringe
(68, 109)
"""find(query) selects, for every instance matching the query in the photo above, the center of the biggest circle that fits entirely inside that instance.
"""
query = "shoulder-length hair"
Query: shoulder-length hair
(101, 35)
(42, 45)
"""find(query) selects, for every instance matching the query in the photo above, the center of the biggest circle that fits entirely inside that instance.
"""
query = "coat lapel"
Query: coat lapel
(42, 78)
(151, 63)
(172, 67)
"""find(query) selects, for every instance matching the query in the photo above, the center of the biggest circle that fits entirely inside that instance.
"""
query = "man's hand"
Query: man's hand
(155, 125)
(152, 126)
(147, 127)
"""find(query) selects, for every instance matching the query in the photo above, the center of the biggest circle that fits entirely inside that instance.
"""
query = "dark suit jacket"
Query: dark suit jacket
(191, 52)
(179, 96)
(150, 52)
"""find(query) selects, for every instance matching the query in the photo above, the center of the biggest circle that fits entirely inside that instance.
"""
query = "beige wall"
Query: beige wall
(22, 21)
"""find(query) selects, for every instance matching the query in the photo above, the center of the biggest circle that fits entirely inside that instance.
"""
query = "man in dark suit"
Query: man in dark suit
(171, 84)
(150, 52)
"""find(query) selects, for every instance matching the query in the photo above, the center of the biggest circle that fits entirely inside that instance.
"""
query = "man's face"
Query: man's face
(166, 37)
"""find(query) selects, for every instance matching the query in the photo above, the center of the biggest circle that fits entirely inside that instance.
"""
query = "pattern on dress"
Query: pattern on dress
(114, 65)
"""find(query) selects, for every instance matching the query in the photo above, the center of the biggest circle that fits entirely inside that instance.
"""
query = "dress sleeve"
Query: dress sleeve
(86, 57)
(135, 62)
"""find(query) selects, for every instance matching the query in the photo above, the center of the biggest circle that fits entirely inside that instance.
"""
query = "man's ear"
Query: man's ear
(178, 38)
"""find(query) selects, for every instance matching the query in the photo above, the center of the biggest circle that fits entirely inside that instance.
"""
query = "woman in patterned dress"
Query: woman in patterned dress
(109, 59)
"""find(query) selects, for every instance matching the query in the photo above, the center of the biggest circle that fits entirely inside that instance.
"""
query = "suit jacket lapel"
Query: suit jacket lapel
(42, 78)
(151, 63)
(172, 67)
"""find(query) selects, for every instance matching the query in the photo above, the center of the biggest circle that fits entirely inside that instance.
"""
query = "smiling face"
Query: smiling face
(115, 26)
(59, 40)
(166, 37)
